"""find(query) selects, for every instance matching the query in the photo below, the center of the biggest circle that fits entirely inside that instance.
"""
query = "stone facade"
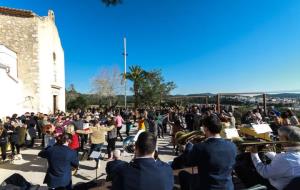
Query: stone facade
(39, 59)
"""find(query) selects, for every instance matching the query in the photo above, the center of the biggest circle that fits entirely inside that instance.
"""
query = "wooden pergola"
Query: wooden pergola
(187, 97)
(219, 95)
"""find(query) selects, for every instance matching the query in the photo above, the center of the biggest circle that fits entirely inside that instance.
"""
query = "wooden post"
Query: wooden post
(218, 103)
(265, 103)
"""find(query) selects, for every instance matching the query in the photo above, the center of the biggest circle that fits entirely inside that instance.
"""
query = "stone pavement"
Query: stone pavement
(33, 168)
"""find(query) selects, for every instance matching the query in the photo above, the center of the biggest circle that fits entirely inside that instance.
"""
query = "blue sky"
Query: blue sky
(201, 45)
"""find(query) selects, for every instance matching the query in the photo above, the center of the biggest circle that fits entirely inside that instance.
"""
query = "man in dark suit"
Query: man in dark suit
(144, 172)
(112, 166)
(215, 158)
(61, 159)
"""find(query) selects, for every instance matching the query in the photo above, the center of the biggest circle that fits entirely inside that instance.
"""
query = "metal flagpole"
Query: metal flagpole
(125, 80)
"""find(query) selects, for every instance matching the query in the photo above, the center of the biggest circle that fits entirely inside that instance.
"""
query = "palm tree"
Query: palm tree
(136, 75)
(111, 2)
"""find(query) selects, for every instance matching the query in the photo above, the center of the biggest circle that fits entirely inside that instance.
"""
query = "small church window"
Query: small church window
(54, 57)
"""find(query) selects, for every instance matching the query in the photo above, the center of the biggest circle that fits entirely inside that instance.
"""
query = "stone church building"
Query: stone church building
(32, 75)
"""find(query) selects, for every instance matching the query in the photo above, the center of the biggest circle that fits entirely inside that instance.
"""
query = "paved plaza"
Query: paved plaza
(33, 168)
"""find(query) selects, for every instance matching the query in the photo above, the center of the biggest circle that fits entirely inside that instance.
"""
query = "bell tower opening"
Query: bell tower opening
(54, 103)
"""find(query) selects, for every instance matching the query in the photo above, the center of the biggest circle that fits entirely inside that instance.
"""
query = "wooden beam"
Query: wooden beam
(218, 103)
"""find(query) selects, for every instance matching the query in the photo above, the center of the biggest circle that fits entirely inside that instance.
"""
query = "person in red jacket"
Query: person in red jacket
(74, 144)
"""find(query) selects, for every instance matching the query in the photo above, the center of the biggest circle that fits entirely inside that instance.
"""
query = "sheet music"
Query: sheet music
(95, 154)
(231, 133)
(261, 128)
(86, 126)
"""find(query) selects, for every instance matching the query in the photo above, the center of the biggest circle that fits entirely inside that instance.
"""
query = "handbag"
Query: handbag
(28, 137)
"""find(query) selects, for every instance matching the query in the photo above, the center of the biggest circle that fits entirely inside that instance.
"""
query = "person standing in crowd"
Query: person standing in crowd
(159, 123)
(78, 123)
(165, 121)
(293, 118)
(214, 171)
(119, 123)
(31, 131)
(17, 138)
(98, 133)
(111, 138)
(44, 122)
(285, 119)
(128, 126)
(112, 166)
(144, 172)
(39, 126)
(275, 122)
(189, 119)
(49, 139)
(176, 127)
(61, 160)
(152, 125)
(196, 118)
(284, 166)
(141, 123)
(232, 120)
(74, 143)
(3, 141)
(256, 116)
(58, 123)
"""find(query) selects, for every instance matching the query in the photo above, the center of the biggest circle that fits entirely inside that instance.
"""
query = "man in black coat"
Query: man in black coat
(61, 159)
(112, 166)
(144, 172)
(215, 158)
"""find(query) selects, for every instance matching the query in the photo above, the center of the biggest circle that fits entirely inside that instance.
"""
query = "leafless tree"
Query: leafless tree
(107, 84)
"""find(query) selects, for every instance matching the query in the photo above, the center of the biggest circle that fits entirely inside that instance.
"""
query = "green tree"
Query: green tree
(149, 88)
(137, 75)
(71, 93)
(154, 88)
(79, 102)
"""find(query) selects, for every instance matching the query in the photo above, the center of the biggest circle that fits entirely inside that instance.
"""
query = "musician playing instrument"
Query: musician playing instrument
(215, 158)
(144, 172)
(284, 166)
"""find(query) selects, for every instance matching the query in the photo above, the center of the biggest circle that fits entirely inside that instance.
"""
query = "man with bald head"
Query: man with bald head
(112, 166)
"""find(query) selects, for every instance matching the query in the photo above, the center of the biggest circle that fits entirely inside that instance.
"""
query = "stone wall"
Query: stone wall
(20, 35)
(35, 39)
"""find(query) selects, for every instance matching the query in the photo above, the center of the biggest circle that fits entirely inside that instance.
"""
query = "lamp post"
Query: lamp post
(125, 70)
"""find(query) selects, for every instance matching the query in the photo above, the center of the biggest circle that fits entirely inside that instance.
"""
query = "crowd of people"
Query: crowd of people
(64, 135)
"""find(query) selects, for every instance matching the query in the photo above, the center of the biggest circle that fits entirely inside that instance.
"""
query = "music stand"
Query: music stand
(96, 155)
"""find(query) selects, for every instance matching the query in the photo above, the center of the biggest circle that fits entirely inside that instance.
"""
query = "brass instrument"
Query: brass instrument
(128, 144)
(182, 137)
(271, 146)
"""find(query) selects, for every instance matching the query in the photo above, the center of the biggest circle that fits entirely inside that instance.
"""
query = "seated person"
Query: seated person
(144, 172)
(215, 158)
(284, 166)
(112, 166)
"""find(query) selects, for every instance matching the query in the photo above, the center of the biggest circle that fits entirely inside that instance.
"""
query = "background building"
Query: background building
(32, 76)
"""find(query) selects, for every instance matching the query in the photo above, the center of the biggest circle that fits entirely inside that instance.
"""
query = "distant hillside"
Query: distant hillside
(283, 95)
(201, 94)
